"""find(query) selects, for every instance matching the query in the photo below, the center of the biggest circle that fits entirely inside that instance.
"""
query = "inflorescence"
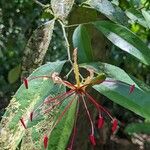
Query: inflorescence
(79, 93)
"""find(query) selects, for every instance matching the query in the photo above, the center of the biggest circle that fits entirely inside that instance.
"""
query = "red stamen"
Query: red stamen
(25, 81)
(68, 84)
(100, 122)
(62, 114)
(58, 103)
(23, 123)
(92, 139)
(31, 116)
(132, 87)
(45, 141)
(114, 125)
(98, 106)
(58, 96)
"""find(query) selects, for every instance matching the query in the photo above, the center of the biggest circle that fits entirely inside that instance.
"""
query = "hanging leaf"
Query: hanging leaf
(24, 102)
(82, 42)
(138, 101)
(114, 13)
(14, 74)
(125, 40)
(61, 8)
(36, 47)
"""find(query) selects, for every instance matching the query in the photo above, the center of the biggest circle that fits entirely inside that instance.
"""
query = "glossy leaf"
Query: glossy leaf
(125, 40)
(110, 71)
(136, 16)
(147, 17)
(82, 41)
(138, 101)
(143, 128)
(23, 103)
(61, 8)
(111, 11)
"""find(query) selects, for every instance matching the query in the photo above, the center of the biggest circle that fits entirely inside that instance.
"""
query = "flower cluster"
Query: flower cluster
(81, 95)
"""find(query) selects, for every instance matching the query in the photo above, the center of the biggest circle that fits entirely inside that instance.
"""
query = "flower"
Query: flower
(81, 95)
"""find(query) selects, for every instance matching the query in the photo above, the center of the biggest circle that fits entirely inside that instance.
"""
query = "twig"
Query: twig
(40, 4)
(74, 25)
(67, 43)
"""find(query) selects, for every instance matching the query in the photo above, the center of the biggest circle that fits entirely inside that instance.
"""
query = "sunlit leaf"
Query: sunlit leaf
(147, 17)
(111, 11)
(125, 40)
(136, 16)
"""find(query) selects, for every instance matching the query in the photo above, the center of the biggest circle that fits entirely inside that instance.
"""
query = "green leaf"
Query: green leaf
(111, 71)
(147, 17)
(40, 126)
(23, 102)
(114, 13)
(138, 101)
(125, 40)
(14, 74)
(60, 135)
(143, 128)
(136, 16)
(61, 8)
(82, 41)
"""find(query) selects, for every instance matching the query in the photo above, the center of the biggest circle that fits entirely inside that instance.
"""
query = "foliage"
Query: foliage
(124, 24)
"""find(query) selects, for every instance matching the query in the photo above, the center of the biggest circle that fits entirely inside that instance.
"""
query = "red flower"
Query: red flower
(81, 95)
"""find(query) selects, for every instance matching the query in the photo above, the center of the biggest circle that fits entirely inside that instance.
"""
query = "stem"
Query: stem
(88, 113)
(74, 25)
(67, 43)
